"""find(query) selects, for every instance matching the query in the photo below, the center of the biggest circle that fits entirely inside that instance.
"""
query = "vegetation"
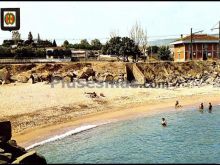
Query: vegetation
(152, 50)
(164, 53)
(54, 43)
(84, 44)
(134, 46)
(124, 47)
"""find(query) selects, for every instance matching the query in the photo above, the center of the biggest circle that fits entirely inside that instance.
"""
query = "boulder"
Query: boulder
(88, 70)
(85, 73)
(92, 78)
(108, 78)
(4, 75)
(209, 80)
(30, 158)
(5, 131)
(23, 78)
(45, 76)
(67, 79)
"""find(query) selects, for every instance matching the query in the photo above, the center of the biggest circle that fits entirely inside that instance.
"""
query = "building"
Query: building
(203, 47)
(50, 52)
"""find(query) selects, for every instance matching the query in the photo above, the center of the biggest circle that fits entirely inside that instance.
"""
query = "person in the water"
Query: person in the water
(201, 106)
(177, 105)
(210, 107)
(163, 122)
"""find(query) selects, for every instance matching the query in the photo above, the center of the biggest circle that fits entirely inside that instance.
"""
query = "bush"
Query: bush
(39, 53)
(6, 53)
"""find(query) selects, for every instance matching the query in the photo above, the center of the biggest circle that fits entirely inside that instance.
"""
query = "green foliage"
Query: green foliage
(84, 44)
(24, 52)
(96, 44)
(8, 43)
(121, 46)
(5, 52)
(40, 53)
(164, 53)
(153, 49)
(42, 44)
(54, 43)
(65, 43)
(67, 53)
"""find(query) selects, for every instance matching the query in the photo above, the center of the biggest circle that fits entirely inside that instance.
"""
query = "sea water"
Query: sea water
(190, 137)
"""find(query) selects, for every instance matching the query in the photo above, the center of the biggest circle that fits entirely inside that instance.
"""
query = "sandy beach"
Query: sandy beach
(38, 112)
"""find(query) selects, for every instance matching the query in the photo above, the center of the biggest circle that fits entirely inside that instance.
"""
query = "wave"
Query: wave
(58, 137)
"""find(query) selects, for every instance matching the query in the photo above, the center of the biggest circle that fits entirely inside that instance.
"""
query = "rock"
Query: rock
(57, 76)
(30, 158)
(209, 80)
(45, 76)
(108, 78)
(5, 131)
(20, 78)
(88, 70)
(67, 79)
(5, 76)
(92, 78)
(85, 73)
(5, 158)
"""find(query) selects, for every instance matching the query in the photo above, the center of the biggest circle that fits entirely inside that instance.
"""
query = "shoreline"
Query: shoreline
(132, 111)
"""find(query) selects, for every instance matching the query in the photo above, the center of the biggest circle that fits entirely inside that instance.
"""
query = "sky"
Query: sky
(74, 21)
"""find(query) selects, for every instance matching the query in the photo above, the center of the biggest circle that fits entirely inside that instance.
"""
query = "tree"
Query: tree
(152, 49)
(38, 37)
(16, 36)
(30, 37)
(96, 44)
(54, 43)
(139, 35)
(164, 53)
(121, 46)
(84, 44)
(114, 33)
(65, 43)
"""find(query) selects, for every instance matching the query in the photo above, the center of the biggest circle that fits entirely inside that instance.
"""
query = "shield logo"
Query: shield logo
(10, 19)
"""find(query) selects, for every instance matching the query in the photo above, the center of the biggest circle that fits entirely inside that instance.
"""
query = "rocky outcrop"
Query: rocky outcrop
(186, 74)
(158, 74)
(4, 76)
(22, 77)
(11, 153)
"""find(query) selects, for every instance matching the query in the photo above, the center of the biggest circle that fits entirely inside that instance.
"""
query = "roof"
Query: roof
(78, 51)
(197, 38)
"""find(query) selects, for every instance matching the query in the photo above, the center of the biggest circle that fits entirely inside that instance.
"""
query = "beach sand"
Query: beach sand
(38, 112)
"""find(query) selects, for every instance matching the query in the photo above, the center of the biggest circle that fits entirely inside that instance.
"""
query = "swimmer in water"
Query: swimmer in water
(163, 122)
(201, 108)
(210, 108)
(177, 104)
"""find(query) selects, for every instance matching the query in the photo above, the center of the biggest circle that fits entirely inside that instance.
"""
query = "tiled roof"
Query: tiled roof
(199, 37)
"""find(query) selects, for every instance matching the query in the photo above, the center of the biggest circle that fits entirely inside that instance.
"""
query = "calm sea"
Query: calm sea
(191, 137)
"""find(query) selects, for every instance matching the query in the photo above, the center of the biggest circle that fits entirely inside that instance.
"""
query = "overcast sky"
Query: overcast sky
(78, 20)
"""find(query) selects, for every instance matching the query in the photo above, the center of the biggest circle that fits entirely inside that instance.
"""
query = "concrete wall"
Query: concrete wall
(139, 76)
